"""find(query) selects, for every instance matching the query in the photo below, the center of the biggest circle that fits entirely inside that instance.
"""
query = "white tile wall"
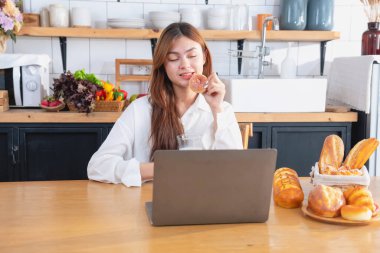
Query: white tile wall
(103, 53)
(125, 10)
(98, 55)
(36, 6)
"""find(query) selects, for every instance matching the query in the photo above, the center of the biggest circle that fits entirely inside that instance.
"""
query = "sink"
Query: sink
(276, 95)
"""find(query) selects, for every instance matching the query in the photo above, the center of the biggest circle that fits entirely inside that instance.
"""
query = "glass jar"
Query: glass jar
(320, 15)
(371, 39)
(293, 14)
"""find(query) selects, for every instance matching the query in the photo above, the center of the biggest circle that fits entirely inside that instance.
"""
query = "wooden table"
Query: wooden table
(86, 216)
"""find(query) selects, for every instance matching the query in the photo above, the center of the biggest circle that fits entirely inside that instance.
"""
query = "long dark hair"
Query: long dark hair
(165, 122)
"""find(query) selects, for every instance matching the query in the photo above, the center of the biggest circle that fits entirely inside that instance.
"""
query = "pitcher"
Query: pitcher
(293, 14)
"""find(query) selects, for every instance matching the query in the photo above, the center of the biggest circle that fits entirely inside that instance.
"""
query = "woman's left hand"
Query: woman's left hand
(215, 92)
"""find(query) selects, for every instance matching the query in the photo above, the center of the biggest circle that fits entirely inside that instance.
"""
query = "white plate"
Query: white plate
(126, 20)
(116, 25)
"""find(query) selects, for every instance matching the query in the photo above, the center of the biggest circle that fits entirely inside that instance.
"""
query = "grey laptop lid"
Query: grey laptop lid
(211, 186)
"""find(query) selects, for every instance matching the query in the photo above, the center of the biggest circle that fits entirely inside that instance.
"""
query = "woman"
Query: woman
(172, 108)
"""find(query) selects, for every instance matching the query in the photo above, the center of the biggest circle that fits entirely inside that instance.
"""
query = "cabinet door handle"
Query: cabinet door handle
(14, 149)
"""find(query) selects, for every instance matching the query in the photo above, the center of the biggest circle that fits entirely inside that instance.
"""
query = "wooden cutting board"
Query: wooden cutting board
(4, 101)
(3, 94)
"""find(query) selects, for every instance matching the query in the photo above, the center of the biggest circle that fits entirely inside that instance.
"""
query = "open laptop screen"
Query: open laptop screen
(212, 186)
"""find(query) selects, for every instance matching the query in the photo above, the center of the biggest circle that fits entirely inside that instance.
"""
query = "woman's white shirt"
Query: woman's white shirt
(127, 145)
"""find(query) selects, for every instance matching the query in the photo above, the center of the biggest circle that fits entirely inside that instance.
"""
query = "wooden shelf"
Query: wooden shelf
(40, 116)
(153, 34)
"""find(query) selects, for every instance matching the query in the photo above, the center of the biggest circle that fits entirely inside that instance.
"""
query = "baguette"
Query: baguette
(360, 153)
(332, 153)
(287, 190)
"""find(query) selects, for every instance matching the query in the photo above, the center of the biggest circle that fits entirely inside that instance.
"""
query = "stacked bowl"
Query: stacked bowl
(192, 16)
(161, 19)
(218, 18)
(126, 23)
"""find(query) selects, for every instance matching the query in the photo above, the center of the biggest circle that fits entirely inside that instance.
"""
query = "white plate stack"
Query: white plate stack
(161, 19)
(126, 23)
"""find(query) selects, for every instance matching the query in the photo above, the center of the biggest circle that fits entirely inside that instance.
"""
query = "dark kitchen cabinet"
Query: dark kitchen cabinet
(50, 151)
(60, 151)
(261, 136)
(7, 162)
(298, 144)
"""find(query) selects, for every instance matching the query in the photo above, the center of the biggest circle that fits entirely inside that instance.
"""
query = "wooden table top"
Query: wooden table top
(86, 216)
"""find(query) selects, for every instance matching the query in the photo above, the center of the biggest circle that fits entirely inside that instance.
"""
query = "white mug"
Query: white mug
(59, 15)
(80, 17)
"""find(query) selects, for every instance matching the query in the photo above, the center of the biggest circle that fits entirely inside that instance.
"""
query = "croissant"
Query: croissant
(332, 153)
(287, 190)
(360, 153)
(360, 196)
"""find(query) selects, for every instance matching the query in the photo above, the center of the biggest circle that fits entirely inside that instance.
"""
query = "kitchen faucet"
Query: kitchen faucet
(263, 50)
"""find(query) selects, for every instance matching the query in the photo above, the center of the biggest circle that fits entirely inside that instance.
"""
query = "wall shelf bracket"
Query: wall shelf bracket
(153, 43)
(63, 45)
(240, 46)
(323, 56)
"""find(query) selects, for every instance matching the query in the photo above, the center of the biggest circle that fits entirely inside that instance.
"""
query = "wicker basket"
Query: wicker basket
(109, 106)
(72, 107)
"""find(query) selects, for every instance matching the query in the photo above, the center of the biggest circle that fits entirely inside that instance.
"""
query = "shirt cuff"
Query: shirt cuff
(132, 176)
(222, 121)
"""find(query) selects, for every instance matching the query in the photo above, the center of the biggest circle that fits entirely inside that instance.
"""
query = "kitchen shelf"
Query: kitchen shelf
(40, 116)
(312, 36)
(284, 35)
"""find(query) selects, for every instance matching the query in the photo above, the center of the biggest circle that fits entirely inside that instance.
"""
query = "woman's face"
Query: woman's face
(184, 58)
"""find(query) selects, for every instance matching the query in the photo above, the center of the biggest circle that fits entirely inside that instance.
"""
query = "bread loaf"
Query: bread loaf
(360, 196)
(287, 190)
(332, 153)
(326, 201)
(342, 171)
(356, 213)
(360, 153)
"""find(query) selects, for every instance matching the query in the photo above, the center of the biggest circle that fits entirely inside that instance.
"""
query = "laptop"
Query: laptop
(211, 186)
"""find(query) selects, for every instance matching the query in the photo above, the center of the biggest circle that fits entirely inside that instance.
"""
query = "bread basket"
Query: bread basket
(341, 181)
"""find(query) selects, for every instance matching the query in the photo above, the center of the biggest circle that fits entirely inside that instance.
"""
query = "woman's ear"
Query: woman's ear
(205, 52)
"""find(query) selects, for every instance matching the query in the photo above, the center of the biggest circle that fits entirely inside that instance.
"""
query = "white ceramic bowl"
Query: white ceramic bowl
(216, 23)
(194, 18)
(162, 23)
(218, 12)
(194, 22)
(164, 15)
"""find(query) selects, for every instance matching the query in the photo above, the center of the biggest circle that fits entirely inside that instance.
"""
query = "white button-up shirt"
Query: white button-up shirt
(127, 145)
